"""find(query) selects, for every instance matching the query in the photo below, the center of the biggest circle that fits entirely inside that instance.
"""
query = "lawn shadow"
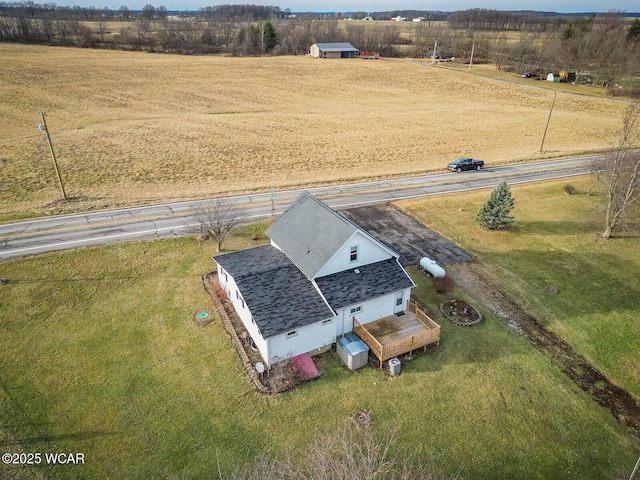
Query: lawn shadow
(528, 227)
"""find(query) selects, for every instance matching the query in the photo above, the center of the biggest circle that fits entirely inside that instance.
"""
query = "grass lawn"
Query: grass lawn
(100, 356)
(555, 241)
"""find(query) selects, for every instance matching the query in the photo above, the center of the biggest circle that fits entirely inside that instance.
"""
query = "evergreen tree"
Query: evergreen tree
(567, 33)
(633, 34)
(494, 214)
(261, 38)
(268, 36)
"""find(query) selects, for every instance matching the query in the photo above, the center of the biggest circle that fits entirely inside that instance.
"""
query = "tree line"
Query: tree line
(599, 49)
(602, 49)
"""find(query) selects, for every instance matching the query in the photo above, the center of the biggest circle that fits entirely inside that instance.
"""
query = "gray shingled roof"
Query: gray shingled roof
(310, 233)
(374, 280)
(278, 295)
(336, 47)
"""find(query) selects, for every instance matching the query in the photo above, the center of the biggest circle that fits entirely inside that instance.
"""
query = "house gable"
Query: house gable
(359, 249)
(311, 234)
(367, 282)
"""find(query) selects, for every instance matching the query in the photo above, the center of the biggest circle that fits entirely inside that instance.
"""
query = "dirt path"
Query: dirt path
(624, 406)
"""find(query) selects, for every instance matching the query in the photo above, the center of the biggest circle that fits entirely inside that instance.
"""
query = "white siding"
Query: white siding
(314, 51)
(368, 252)
(307, 338)
(371, 310)
(229, 285)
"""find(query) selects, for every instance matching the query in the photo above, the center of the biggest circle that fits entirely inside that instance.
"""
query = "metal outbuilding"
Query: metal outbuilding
(334, 50)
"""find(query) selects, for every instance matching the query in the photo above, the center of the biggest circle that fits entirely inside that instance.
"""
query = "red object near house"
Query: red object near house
(304, 366)
(370, 55)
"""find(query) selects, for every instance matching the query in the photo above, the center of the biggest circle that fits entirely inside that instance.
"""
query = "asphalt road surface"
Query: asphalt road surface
(34, 237)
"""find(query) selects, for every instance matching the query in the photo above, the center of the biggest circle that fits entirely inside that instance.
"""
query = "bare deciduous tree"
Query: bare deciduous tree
(102, 25)
(343, 455)
(619, 171)
(216, 218)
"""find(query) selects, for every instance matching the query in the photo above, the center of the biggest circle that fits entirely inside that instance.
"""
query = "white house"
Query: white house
(301, 292)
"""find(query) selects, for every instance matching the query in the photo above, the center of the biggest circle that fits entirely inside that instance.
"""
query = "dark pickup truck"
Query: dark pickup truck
(465, 164)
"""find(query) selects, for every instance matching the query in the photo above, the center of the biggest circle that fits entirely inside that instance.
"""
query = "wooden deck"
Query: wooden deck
(394, 335)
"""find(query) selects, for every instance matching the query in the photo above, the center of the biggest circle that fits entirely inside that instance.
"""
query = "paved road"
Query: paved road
(161, 221)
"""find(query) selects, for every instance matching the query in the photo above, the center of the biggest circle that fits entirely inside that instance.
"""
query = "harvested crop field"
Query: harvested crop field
(131, 128)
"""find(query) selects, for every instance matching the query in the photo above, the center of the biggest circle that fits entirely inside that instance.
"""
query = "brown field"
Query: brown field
(132, 128)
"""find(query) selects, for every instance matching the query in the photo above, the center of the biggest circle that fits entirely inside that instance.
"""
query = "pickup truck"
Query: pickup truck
(465, 164)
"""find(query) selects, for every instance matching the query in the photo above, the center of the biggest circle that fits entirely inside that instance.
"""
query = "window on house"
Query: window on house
(353, 255)
(399, 298)
(292, 333)
(237, 295)
(328, 321)
(356, 310)
(242, 300)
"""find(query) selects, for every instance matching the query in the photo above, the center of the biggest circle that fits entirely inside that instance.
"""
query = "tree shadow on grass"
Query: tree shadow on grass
(534, 227)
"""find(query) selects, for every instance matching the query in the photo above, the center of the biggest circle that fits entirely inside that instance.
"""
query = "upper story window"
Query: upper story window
(353, 254)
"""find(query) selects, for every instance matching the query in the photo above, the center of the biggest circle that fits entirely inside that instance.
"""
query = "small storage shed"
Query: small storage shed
(353, 351)
(553, 77)
(334, 50)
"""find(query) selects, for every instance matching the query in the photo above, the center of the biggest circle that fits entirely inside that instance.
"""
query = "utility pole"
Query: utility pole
(433, 57)
(473, 47)
(548, 120)
(43, 128)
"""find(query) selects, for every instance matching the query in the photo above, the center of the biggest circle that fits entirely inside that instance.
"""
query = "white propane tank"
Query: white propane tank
(432, 267)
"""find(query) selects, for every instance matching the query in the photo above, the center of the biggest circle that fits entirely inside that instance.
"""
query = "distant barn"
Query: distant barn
(334, 50)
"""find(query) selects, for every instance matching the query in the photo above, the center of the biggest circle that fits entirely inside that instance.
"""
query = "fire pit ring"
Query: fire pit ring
(461, 313)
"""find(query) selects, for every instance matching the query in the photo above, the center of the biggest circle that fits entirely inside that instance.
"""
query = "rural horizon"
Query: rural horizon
(628, 8)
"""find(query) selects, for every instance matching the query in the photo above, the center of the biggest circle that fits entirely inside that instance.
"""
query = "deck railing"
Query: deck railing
(374, 345)
(422, 316)
(404, 345)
